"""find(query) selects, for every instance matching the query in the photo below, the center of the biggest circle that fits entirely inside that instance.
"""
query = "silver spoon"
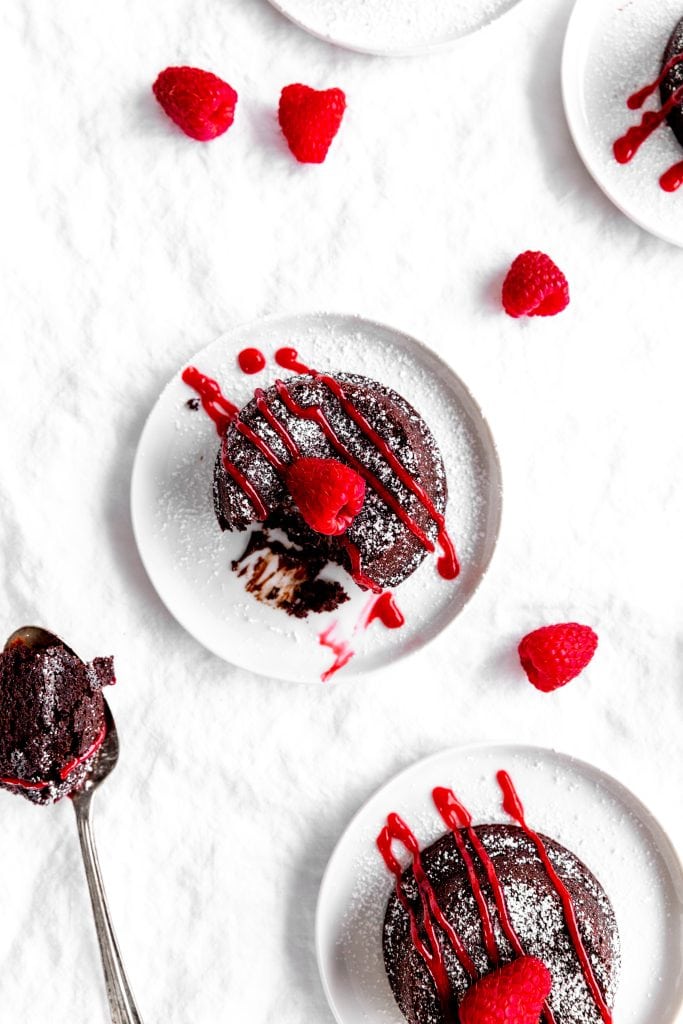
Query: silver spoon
(121, 1001)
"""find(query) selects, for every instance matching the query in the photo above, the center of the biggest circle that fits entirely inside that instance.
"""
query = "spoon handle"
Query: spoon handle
(121, 1001)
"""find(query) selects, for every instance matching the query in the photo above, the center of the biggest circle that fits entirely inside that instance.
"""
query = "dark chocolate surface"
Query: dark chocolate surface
(536, 914)
(389, 551)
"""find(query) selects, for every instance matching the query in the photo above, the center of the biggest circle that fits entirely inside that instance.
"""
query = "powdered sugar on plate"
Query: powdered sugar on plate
(613, 48)
(392, 26)
(188, 557)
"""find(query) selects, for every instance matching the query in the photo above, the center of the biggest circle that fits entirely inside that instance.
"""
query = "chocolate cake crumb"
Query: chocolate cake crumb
(192, 403)
(287, 577)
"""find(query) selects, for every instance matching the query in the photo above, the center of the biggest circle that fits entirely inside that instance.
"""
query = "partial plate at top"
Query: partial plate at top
(392, 28)
(612, 49)
(587, 811)
(188, 558)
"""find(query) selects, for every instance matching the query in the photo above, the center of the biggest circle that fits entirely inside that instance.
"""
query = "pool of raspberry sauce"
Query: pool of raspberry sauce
(458, 820)
(223, 412)
(626, 147)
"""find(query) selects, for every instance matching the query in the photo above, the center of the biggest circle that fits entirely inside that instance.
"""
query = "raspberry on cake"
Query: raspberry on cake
(52, 716)
(496, 924)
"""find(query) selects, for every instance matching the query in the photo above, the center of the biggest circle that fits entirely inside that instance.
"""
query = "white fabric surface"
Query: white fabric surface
(125, 247)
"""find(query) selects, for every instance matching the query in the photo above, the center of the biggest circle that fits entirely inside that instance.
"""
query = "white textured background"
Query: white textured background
(124, 247)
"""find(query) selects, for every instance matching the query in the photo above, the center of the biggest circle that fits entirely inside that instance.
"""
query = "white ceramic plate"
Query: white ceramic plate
(613, 48)
(188, 558)
(392, 28)
(584, 809)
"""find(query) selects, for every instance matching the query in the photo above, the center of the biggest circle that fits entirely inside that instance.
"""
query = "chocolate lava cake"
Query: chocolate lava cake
(674, 80)
(536, 914)
(52, 716)
(389, 551)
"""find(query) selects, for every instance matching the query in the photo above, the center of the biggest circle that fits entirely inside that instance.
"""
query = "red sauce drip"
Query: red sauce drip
(251, 360)
(357, 566)
(387, 611)
(66, 770)
(461, 817)
(672, 179)
(636, 101)
(214, 402)
(316, 414)
(263, 446)
(448, 564)
(250, 491)
(456, 818)
(626, 147)
(429, 949)
(288, 359)
(513, 806)
(342, 650)
(274, 422)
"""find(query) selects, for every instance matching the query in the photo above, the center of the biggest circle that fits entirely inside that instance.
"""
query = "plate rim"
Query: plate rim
(399, 52)
(674, 857)
(570, 87)
(352, 671)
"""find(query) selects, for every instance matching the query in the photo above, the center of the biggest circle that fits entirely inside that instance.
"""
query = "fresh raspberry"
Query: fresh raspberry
(553, 655)
(310, 120)
(535, 286)
(328, 494)
(200, 103)
(512, 995)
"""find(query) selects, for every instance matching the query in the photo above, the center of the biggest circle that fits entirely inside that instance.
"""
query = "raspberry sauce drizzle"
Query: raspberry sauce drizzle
(636, 100)
(273, 421)
(430, 951)
(241, 481)
(316, 415)
(387, 611)
(357, 566)
(452, 813)
(626, 147)
(456, 816)
(66, 770)
(512, 805)
(672, 179)
(342, 650)
(251, 360)
(214, 402)
(288, 359)
(447, 564)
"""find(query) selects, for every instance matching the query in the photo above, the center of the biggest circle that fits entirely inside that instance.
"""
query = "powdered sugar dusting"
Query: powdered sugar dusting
(537, 917)
(393, 25)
